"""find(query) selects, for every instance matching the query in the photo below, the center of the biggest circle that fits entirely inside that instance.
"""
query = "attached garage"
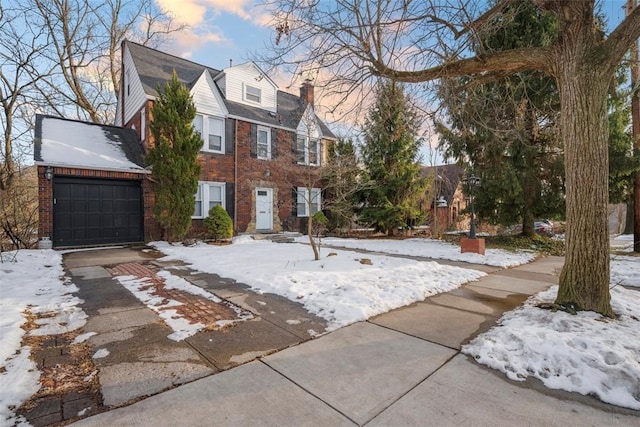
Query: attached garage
(96, 212)
(92, 184)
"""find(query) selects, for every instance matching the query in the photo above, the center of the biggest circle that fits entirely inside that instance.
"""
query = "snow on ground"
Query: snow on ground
(430, 248)
(583, 353)
(145, 290)
(338, 287)
(30, 281)
(625, 270)
(622, 242)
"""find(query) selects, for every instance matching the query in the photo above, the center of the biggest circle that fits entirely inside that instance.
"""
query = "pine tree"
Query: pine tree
(173, 159)
(390, 155)
(623, 164)
(507, 130)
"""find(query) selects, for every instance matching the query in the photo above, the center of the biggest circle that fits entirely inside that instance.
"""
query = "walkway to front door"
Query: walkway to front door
(264, 208)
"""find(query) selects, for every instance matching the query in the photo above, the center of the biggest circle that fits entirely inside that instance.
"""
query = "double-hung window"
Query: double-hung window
(209, 194)
(264, 142)
(308, 151)
(252, 94)
(308, 205)
(211, 130)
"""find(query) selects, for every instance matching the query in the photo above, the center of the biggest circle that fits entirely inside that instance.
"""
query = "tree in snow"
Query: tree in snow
(173, 159)
(419, 41)
(390, 155)
(507, 129)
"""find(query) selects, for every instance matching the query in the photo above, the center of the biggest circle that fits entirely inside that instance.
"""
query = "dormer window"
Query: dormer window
(252, 94)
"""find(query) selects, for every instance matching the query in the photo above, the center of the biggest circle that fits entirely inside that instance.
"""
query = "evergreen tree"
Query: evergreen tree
(390, 158)
(173, 159)
(623, 164)
(507, 129)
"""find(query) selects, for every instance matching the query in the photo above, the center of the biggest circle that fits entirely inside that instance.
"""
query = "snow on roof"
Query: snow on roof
(68, 143)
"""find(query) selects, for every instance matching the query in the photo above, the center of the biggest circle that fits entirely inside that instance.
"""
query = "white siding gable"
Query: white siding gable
(245, 83)
(131, 90)
(206, 97)
(308, 125)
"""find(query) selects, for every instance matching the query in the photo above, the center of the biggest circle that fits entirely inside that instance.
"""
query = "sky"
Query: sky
(224, 30)
(529, 341)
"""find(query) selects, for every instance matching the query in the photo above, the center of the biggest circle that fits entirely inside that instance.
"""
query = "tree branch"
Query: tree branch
(509, 61)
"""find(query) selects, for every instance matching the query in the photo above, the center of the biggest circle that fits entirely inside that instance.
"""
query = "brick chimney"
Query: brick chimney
(306, 93)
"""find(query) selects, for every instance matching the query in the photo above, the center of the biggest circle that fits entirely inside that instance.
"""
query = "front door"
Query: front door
(264, 208)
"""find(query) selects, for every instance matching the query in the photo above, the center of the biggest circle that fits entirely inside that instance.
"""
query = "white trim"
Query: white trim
(303, 192)
(246, 94)
(206, 132)
(268, 132)
(307, 150)
(269, 192)
(204, 197)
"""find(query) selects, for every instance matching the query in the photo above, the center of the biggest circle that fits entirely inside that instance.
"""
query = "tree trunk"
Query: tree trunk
(628, 225)
(312, 242)
(529, 186)
(584, 281)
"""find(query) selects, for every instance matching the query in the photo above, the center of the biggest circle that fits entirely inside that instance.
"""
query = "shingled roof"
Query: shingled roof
(155, 68)
(76, 144)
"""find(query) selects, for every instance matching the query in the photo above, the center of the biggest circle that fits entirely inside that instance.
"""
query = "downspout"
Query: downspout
(235, 176)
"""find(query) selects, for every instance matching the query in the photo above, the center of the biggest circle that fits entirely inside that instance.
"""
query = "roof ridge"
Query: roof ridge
(173, 56)
(50, 116)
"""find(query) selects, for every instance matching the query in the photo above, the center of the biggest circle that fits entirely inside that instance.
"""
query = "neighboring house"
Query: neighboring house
(259, 147)
(247, 126)
(91, 184)
(445, 198)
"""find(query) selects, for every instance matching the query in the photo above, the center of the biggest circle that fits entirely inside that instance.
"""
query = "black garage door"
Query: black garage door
(96, 211)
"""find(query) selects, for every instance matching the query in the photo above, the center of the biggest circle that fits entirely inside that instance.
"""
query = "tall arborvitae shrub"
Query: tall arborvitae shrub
(173, 159)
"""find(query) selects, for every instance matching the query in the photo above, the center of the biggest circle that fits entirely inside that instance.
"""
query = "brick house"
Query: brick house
(445, 200)
(259, 145)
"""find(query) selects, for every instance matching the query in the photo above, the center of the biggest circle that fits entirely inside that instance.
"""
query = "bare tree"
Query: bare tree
(85, 40)
(425, 40)
(21, 50)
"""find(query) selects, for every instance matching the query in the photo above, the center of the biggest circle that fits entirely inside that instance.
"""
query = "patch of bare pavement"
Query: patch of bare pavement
(123, 352)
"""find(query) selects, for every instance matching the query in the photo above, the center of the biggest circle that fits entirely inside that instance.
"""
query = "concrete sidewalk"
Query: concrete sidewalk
(400, 368)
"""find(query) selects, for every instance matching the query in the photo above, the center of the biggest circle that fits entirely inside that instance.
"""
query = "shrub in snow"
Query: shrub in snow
(319, 222)
(219, 224)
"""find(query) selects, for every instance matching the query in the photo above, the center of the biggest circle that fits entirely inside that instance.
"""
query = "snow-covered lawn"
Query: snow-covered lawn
(622, 242)
(340, 287)
(625, 270)
(583, 353)
(30, 282)
(580, 353)
(430, 248)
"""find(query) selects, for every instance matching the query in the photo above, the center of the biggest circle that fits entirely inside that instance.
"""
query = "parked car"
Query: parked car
(543, 227)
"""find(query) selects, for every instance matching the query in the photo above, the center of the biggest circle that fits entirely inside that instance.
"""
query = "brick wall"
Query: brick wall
(251, 174)
(279, 173)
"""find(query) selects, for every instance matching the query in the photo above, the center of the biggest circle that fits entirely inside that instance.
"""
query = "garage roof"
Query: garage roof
(71, 143)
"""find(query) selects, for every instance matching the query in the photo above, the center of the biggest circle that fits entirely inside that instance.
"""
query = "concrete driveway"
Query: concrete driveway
(132, 353)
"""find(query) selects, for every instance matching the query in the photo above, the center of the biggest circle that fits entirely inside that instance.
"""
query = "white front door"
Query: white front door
(264, 208)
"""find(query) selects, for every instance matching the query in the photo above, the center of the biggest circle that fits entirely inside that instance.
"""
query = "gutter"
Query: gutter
(235, 176)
